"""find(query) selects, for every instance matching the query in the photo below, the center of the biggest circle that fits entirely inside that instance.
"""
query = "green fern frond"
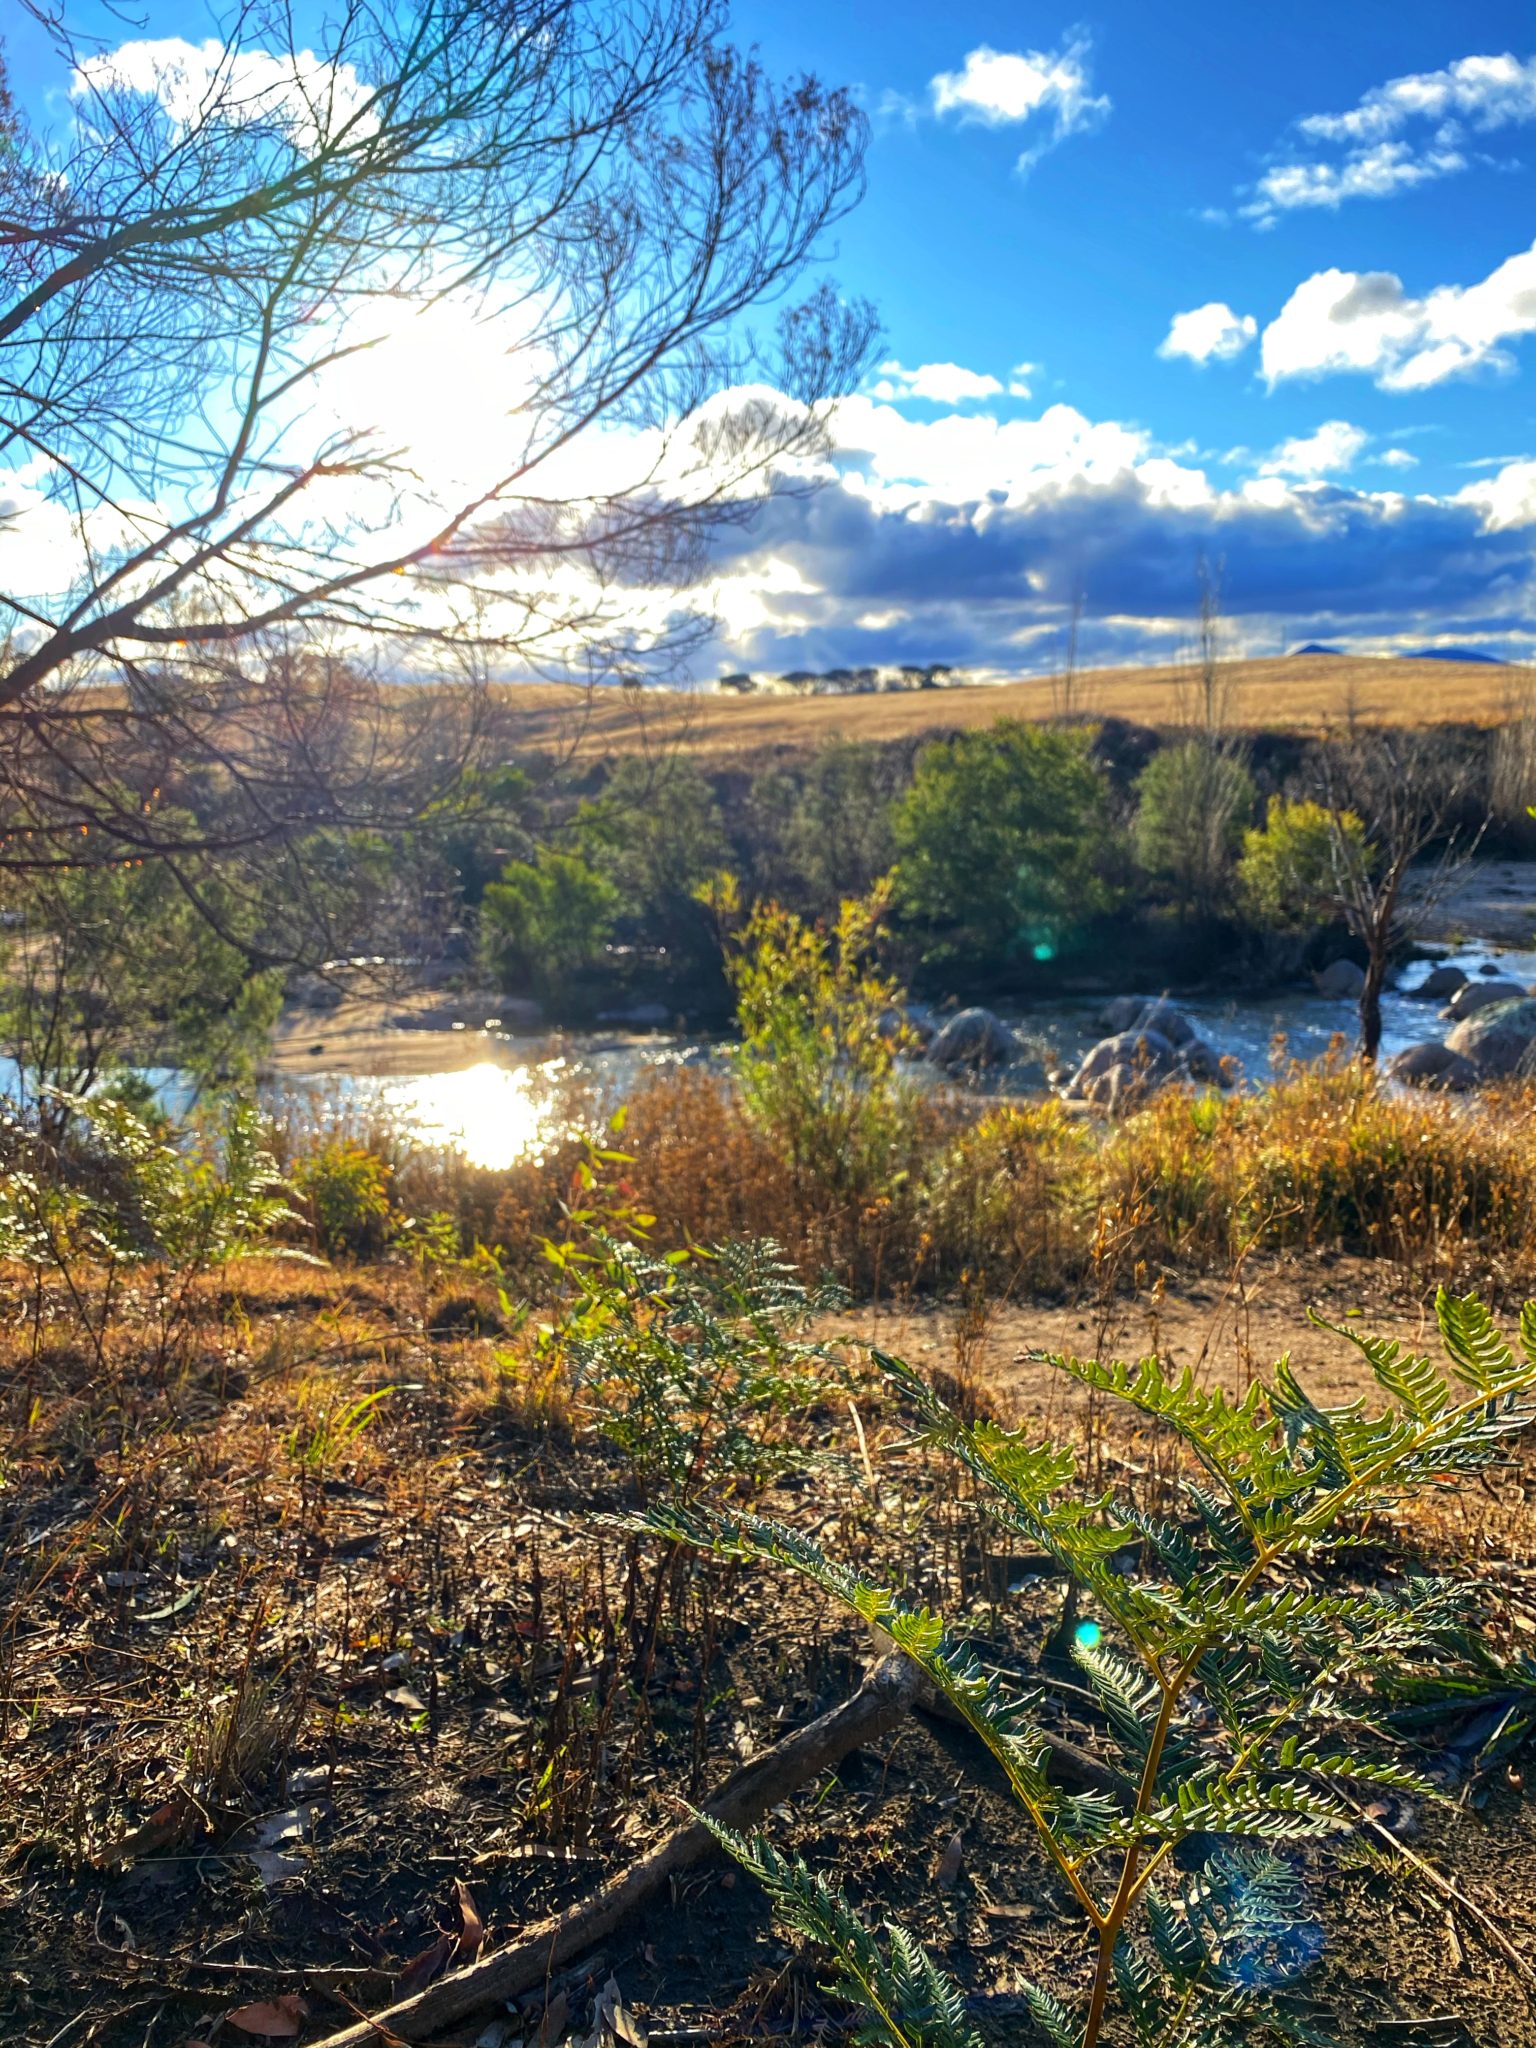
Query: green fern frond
(907, 2001)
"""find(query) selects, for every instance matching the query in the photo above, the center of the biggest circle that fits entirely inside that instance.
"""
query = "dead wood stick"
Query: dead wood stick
(884, 1698)
(1443, 1885)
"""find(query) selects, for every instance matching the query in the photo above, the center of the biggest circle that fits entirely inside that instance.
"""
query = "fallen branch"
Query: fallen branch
(884, 1698)
(1437, 1879)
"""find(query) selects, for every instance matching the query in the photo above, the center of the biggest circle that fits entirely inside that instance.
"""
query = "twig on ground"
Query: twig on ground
(1442, 1884)
(884, 1698)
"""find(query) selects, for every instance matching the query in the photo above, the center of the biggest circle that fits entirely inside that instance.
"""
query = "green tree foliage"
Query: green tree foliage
(1194, 800)
(1241, 1696)
(655, 835)
(1297, 866)
(131, 961)
(1001, 843)
(546, 920)
(840, 838)
(821, 1027)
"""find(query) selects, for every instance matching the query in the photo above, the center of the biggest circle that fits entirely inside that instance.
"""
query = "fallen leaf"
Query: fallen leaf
(402, 1696)
(472, 1927)
(430, 1964)
(277, 2019)
(556, 2013)
(947, 1869)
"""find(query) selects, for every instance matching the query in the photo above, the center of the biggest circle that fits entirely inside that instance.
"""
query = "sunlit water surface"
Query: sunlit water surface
(505, 1109)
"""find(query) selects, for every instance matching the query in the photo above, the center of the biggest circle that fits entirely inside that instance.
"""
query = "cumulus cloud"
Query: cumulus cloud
(1209, 333)
(297, 91)
(1368, 174)
(1485, 92)
(1367, 322)
(1407, 132)
(1397, 458)
(966, 538)
(939, 383)
(1335, 446)
(1050, 91)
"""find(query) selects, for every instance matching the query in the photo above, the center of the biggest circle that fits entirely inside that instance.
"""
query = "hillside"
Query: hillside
(1282, 691)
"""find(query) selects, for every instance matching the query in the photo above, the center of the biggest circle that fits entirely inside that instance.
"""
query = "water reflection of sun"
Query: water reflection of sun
(493, 1114)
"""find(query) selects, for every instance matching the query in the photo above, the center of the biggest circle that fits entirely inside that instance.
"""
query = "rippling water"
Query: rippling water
(504, 1109)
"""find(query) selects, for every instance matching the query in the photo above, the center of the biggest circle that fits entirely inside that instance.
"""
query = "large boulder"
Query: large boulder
(1147, 1013)
(1144, 1052)
(973, 1038)
(1473, 996)
(1433, 1065)
(1497, 1040)
(1440, 982)
(1341, 978)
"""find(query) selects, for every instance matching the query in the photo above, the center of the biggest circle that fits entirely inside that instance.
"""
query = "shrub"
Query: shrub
(696, 1366)
(547, 919)
(1238, 1699)
(1193, 803)
(346, 1188)
(1002, 842)
(839, 839)
(1297, 864)
(821, 1027)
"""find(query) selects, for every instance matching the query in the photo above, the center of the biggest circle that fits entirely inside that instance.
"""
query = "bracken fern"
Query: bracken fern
(1241, 1698)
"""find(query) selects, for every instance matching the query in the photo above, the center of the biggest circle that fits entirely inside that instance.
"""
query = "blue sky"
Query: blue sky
(1258, 284)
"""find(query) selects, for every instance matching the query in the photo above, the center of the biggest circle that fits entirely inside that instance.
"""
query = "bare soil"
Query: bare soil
(441, 1667)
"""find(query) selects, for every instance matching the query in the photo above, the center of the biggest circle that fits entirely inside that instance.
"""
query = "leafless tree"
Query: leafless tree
(1064, 683)
(195, 272)
(1396, 801)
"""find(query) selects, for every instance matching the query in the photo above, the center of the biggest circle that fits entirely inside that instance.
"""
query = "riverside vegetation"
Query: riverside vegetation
(385, 1543)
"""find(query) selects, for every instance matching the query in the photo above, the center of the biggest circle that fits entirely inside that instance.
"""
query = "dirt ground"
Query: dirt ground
(417, 1657)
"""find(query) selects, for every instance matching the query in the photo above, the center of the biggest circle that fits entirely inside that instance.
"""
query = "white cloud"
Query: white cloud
(1020, 377)
(1002, 88)
(940, 383)
(1486, 92)
(1338, 320)
(1335, 446)
(1375, 173)
(1209, 333)
(1506, 499)
(1435, 109)
(298, 90)
(1396, 458)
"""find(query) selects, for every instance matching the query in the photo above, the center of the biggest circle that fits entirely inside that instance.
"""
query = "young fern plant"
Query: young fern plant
(1241, 1699)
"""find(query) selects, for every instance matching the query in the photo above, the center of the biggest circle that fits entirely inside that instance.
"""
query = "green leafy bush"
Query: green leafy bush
(1240, 1697)
(1299, 865)
(1194, 801)
(547, 919)
(821, 1027)
(346, 1188)
(1002, 843)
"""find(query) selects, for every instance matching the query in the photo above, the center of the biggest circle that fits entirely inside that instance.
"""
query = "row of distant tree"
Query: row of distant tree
(846, 682)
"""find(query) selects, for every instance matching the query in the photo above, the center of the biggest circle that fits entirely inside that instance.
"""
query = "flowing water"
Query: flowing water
(508, 1105)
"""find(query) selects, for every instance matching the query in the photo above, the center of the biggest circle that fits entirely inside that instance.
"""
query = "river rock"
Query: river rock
(1439, 983)
(1497, 1039)
(1145, 1054)
(1341, 978)
(1201, 1062)
(973, 1038)
(1473, 996)
(1147, 1013)
(1433, 1065)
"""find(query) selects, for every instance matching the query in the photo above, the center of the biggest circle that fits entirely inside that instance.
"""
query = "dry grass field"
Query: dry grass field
(1285, 692)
